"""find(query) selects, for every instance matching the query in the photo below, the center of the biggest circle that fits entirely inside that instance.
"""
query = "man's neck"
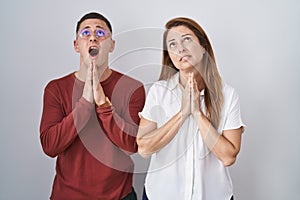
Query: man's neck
(107, 72)
(81, 74)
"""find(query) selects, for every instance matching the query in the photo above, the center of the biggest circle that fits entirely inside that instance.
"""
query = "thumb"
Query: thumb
(89, 73)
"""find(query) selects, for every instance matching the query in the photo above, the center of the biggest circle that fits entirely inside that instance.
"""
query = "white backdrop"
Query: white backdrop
(257, 50)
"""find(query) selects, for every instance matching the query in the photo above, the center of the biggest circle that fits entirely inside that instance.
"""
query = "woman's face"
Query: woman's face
(184, 48)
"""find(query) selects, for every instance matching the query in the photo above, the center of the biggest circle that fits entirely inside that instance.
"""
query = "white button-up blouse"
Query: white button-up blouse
(185, 169)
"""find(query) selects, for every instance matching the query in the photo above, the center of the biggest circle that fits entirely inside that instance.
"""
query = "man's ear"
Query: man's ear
(75, 43)
(112, 47)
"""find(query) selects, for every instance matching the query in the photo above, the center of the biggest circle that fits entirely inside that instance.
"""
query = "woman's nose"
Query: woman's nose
(181, 48)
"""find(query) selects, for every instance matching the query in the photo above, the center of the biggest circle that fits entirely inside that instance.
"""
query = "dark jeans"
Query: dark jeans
(130, 196)
(146, 198)
(144, 195)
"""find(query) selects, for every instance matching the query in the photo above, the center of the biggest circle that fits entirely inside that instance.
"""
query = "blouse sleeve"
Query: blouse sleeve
(148, 111)
(233, 118)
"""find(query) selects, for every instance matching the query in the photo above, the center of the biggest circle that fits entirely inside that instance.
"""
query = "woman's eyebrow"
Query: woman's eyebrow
(171, 40)
(186, 35)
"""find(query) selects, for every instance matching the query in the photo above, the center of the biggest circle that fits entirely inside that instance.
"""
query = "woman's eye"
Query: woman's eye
(187, 39)
(172, 45)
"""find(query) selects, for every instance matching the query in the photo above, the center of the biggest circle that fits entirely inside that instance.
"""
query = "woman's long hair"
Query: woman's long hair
(213, 96)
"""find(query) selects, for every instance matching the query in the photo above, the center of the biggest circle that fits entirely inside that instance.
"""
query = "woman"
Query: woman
(191, 123)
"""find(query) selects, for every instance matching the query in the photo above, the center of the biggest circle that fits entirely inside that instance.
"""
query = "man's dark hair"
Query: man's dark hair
(93, 15)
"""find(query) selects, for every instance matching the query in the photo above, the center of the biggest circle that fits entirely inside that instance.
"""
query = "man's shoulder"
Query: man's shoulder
(125, 85)
(61, 81)
(125, 78)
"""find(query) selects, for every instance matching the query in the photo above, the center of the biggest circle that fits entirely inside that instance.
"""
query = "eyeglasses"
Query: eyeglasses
(99, 33)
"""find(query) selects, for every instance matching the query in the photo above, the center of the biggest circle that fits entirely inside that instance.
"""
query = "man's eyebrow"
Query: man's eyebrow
(85, 27)
(98, 26)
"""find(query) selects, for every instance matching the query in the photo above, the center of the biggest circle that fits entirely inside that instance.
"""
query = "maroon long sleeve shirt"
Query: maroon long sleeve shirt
(92, 144)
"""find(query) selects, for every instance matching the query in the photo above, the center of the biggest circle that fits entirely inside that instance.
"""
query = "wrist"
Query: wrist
(197, 115)
(104, 103)
(183, 115)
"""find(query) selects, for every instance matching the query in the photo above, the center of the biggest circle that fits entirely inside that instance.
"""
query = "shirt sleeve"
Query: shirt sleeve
(122, 129)
(57, 129)
(234, 118)
(149, 111)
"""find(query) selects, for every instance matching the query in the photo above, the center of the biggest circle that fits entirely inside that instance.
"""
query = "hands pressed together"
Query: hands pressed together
(191, 98)
(93, 91)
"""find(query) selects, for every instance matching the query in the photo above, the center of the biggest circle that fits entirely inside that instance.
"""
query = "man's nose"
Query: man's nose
(93, 38)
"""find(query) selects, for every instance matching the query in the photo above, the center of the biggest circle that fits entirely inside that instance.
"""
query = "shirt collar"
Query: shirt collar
(174, 82)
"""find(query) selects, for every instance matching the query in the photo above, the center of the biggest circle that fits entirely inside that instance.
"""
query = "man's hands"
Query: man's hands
(190, 98)
(88, 89)
(93, 91)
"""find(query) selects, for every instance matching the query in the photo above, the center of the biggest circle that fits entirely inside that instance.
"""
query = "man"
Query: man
(90, 120)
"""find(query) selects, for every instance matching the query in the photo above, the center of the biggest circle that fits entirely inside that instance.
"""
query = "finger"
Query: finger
(191, 82)
(96, 79)
(195, 87)
(89, 74)
(93, 72)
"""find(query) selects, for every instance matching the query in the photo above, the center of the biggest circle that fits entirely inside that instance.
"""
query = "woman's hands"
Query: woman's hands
(195, 98)
(186, 100)
(191, 98)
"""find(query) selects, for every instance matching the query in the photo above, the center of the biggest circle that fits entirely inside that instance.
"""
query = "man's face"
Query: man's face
(94, 36)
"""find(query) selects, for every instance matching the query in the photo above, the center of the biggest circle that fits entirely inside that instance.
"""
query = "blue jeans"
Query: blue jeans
(146, 198)
(144, 195)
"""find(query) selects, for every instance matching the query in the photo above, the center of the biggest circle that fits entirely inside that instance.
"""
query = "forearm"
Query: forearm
(121, 132)
(150, 142)
(59, 131)
(222, 148)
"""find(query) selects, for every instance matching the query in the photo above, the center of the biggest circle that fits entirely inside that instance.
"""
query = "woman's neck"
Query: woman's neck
(183, 78)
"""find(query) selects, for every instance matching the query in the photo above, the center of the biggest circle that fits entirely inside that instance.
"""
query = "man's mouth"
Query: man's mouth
(93, 51)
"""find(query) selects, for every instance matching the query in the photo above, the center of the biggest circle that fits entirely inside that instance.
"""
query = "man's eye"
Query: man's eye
(100, 33)
(85, 33)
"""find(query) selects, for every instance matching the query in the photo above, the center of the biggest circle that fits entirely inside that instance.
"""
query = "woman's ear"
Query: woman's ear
(203, 50)
(75, 43)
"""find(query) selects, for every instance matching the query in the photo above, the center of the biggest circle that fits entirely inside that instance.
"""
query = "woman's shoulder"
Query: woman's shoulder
(230, 93)
(161, 86)
(228, 89)
(169, 83)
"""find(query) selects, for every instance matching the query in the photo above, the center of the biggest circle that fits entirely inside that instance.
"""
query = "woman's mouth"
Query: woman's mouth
(184, 58)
